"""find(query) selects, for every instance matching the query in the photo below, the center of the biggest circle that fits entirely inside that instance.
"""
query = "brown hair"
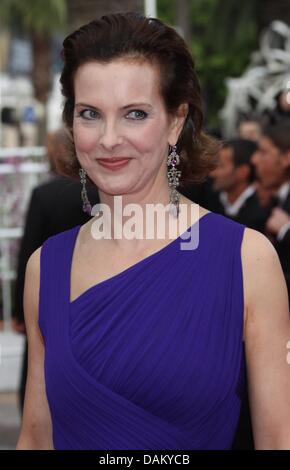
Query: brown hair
(134, 36)
(279, 133)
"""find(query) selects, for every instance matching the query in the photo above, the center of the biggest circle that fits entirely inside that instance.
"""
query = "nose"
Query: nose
(110, 135)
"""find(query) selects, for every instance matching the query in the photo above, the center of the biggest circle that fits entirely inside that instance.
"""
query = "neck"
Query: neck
(119, 219)
(117, 203)
(234, 193)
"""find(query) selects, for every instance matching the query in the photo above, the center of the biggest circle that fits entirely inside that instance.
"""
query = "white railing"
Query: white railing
(22, 152)
(21, 169)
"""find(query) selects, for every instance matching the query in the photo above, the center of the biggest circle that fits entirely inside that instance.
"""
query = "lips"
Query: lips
(113, 159)
(113, 163)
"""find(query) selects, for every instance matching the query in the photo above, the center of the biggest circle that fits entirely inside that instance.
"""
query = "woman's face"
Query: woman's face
(119, 113)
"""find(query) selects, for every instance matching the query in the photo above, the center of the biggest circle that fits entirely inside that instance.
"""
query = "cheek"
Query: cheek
(150, 139)
(85, 139)
(143, 138)
(274, 165)
(229, 170)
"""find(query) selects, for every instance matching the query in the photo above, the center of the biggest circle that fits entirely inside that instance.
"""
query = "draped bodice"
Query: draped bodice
(153, 357)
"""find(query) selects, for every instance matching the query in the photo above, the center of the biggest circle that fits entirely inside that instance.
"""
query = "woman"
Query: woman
(145, 341)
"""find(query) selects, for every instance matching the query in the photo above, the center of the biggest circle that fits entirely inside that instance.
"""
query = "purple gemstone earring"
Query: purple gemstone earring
(87, 208)
(173, 176)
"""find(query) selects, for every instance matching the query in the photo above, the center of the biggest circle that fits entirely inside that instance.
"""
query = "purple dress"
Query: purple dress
(152, 358)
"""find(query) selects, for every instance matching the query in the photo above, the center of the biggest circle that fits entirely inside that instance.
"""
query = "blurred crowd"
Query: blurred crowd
(251, 183)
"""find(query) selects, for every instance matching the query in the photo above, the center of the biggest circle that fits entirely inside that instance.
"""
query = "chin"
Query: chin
(114, 190)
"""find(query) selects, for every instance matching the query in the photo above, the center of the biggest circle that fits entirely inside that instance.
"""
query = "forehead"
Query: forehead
(249, 125)
(117, 82)
(266, 143)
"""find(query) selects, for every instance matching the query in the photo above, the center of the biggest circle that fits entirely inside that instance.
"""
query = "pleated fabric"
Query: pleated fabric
(152, 358)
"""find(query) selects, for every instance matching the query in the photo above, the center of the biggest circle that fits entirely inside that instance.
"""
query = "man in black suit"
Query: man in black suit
(272, 162)
(234, 180)
(55, 206)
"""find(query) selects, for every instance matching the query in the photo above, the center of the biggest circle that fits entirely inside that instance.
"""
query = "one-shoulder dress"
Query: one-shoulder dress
(153, 357)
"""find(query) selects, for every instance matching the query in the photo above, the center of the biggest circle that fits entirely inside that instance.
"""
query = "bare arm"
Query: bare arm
(36, 429)
(267, 331)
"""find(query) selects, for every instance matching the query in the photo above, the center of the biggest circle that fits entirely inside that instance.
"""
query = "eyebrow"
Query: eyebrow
(124, 107)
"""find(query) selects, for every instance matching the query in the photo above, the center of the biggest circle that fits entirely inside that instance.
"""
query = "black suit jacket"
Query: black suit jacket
(252, 214)
(283, 247)
(55, 206)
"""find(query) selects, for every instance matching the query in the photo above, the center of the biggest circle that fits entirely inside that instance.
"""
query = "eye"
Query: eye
(88, 114)
(139, 114)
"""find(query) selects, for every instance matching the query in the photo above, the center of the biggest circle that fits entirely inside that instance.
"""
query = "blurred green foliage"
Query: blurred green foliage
(43, 16)
(224, 34)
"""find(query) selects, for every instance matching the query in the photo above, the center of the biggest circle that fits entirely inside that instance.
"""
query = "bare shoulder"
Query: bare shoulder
(32, 285)
(266, 333)
(254, 240)
(33, 263)
(262, 273)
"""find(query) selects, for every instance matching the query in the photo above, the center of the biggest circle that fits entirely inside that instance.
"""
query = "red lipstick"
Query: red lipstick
(113, 163)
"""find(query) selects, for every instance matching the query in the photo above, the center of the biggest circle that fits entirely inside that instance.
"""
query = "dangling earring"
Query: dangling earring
(173, 176)
(87, 208)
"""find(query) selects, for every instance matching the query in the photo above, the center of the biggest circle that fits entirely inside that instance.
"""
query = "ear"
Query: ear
(177, 122)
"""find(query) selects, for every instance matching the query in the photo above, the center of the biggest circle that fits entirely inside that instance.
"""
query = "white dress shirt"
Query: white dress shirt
(233, 209)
